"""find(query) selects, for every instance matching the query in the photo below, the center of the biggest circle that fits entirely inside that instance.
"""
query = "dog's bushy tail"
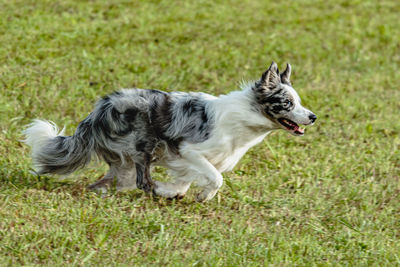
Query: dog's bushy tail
(54, 153)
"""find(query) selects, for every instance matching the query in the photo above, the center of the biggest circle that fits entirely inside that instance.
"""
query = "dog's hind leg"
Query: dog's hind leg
(106, 183)
(126, 177)
(120, 176)
(143, 177)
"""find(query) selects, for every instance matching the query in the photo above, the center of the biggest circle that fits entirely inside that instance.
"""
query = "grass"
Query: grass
(328, 198)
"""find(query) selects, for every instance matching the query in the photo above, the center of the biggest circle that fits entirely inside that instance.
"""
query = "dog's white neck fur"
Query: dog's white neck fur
(237, 128)
(239, 106)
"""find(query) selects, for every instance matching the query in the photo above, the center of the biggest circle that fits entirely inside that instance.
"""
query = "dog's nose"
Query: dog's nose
(312, 117)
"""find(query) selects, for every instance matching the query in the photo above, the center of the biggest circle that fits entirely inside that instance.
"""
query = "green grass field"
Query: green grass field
(328, 198)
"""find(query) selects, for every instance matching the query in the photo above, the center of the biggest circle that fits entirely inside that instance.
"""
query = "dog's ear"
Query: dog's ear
(271, 78)
(285, 76)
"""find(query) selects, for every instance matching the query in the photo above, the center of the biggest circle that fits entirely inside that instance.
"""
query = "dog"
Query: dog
(196, 136)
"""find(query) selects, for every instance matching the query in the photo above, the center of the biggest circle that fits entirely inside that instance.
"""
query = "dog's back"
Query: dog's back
(125, 127)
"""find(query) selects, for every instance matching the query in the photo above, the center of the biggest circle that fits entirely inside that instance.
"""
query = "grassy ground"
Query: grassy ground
(328, 198)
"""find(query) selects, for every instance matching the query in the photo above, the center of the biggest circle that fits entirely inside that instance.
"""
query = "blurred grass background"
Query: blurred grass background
(328, 198)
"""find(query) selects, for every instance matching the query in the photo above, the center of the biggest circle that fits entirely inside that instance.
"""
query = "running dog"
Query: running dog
(196, 136)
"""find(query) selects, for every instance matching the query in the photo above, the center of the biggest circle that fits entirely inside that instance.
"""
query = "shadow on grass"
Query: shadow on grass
(15, 178)
(21, 178)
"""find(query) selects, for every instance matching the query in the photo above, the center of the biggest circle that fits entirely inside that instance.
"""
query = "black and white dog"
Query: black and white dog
(196, 136)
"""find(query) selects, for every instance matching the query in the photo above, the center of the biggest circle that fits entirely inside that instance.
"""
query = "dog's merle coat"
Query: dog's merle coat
(195, 135)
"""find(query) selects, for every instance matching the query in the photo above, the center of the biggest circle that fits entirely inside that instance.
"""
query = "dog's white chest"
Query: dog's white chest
(230, 150)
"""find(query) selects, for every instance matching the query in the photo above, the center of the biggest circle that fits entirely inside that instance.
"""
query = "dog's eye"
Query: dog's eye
(288, 103)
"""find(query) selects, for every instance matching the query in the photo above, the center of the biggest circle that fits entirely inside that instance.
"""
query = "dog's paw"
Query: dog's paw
(177, 197)
(100, 190)
(205, 195)
(147, 187)
(164, 190)
(101, 186)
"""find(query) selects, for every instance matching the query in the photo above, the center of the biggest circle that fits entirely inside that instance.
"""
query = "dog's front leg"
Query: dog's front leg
(211, 180)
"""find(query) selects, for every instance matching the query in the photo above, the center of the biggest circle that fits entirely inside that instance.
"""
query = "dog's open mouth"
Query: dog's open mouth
(291, 126)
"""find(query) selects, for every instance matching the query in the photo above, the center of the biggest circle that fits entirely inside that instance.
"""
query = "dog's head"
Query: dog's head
(280, 103)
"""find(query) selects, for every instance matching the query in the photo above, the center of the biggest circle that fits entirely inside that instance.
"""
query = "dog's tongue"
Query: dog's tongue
(293, 127)
(298, 130)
